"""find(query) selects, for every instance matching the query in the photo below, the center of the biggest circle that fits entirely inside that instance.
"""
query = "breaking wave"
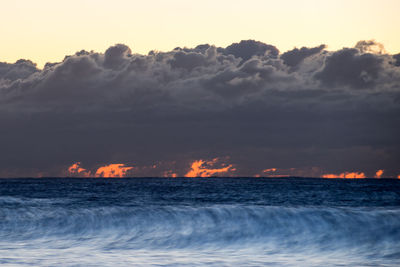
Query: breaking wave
(219, 226)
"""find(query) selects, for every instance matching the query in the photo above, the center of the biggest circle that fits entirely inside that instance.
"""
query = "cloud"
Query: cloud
(337, 110)
(19, 70)
(269, 170)
(346, 175)
(351, 67)
(370, 46)
(76, 170)
(113, 171)
(107, 171)
(249, 48)
(116, 56)
(294, 57)
(201, 168)
(379, 174)
(170, 174)
(397, 60)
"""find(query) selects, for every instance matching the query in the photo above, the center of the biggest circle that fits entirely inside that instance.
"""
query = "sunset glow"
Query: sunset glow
(113, 170)
(346, 175)
(379, 174)
(107, 171)
(201, 168)
(270, 170)
(75, 169)
(170, 174)
(279, 175)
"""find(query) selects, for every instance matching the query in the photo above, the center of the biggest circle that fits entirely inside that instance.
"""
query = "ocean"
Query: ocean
(199, 222)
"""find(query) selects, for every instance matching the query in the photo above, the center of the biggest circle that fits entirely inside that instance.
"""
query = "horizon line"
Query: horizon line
(197, 177)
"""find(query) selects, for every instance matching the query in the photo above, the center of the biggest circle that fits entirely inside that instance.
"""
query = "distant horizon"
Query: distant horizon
(205, 178)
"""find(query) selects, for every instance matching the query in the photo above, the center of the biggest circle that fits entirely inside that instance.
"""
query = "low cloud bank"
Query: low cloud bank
(309, 109)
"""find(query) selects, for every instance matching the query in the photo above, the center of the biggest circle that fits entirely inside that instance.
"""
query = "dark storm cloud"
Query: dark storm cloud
(247, 49)
(338, 111)
(293, 57)
(115, 56)
(19, 70)
(396, 60)
(351, 67)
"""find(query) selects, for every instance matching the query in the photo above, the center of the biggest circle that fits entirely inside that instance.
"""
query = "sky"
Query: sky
(46, 30)
(227, 88)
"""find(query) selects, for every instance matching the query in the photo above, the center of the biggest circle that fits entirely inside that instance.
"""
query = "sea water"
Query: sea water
(199, 222)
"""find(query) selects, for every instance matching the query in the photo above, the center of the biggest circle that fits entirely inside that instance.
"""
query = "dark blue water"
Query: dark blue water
(199, 222)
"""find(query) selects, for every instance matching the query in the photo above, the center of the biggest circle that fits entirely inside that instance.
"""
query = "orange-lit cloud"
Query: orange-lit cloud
(169, 174)
(270, 170)
(75, 169)
(113, 171)
(379, 174)
(398, 176)
(269, 173)
(201, 168)
(346, 175)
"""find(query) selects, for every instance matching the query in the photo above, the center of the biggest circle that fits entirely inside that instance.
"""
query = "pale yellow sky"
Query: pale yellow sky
(47, 30)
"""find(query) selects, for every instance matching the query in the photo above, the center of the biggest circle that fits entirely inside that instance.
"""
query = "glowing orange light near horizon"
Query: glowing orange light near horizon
(269, 173)
(379, 174)
(76, 169)
(346, 175)
(113, 171)
(170, 174)
(270, 170)
(199, 169)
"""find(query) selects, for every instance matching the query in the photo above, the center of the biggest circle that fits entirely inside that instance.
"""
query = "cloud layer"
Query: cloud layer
(309, 110)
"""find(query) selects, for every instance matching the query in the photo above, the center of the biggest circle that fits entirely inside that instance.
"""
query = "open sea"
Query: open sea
(199, 222)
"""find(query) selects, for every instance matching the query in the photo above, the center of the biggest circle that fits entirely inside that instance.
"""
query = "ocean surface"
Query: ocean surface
(199, 222)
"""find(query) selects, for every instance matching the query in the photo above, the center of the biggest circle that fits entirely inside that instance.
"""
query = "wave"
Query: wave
(206, 227)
